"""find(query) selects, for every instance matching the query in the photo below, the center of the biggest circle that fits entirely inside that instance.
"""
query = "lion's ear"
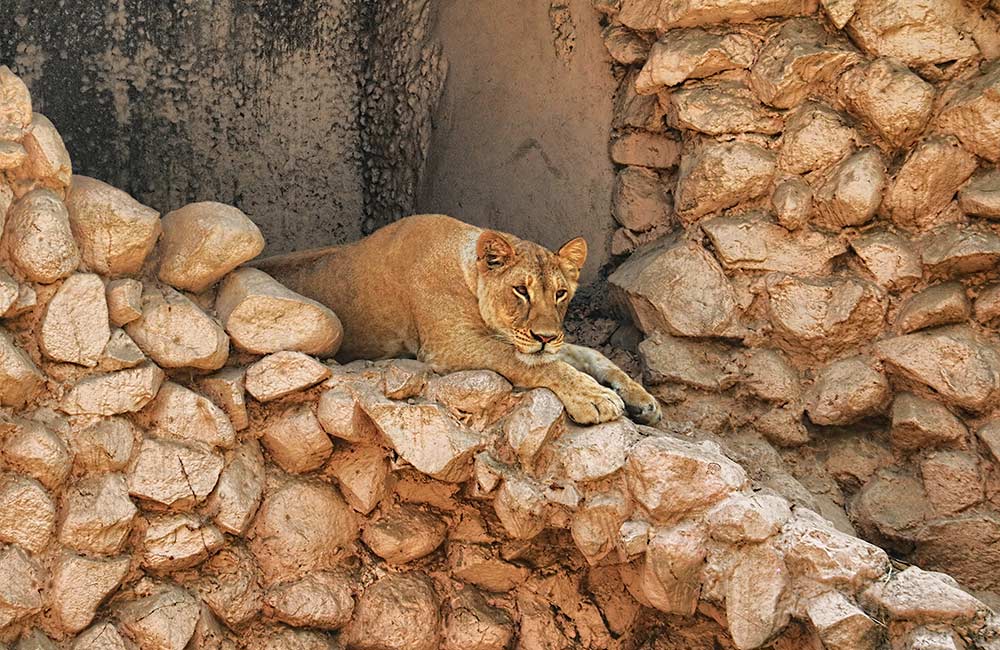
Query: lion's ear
(493, 250)
(574, 251)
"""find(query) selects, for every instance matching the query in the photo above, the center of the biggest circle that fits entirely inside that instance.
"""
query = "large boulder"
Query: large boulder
(639, 200)
(80, 584)
(980, 197)
(891, 259)
(75, 326)
(720, 175)
(47, 163)
(32, 449)
(716, 108)
(178, 541)
(176, 333)
(852, 193)
(971, 113)
(283, 373)
(172, 473)
(662, 15)
(15, 106)
(321, 600)
(404, 534)
(28, 515)
(671, 573)
(919, 423)
(645, 149)
(917, 32)
(683, 54)
(397, 612)
(890, 98)
(97, 515)
(952, 481)
(940, 304)
(755, 605)
(846, 391)
(20, 591)
(815, 137)
(20, 379)
(38, 239)
(238, 492)
(165, 619)
(960, 249)
(124, 391)
(179, 413)
(927, 182)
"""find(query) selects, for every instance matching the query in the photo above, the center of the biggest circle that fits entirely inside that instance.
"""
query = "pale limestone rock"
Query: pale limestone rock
(922, 597)
(639, 200)
(635, 111)
(404, 534)
(102, 636)
(683, 54)
(283, 373)
(75, 326)
(917, 32)
(970, 114)
(939, 305)
(754, 242)
(520, 507)
(397, 612)
(748, 518)
(363, 475)
(10, 291)
(476, 565)
(15, 106)
(889, 509)
(295, 440)
(404, 378)
(103, 445)
(536, 420)
(890, 98)
(48, 164)
(469, 392)
(754, 605)
(927, 182)
(676, 288)
(27, 514)
(816, 137)
(473, 624)
(922, 638)
(716, 108)
(624, 45)
(798, 56)
(919, 423)
(852, 192)
(204, 241)
(229, 584)
(841, 624)
(178, 541)
(80, 584)
(163, 620)
(12, 156)
(20, 379)
(321, 600)
(839, 11)
(645, 149)
(597, 522)
(662, 15)
(792, 203)
(27, 299)
(176, 333)
(677, 360)
(172, 473)
(769, 376)
(287, 638)
(340, 415)
(288, 545)
(891, 259)
(20, 591)
(96, 515)
(980, 197)
(721, 175)
(848, 390)
(238, 492)
(32, 449)
(124, 297)
(121, 352)
(124, 391)
(115, 232)
(989, 436)
(263, 316)
(226, 389)
(38, 239)
(593, 452)
(959, 249)
(952, 481)
(671, 477)
(671, 574)
(822, 558)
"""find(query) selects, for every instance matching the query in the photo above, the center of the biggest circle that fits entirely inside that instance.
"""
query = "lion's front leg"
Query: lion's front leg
(641, 406)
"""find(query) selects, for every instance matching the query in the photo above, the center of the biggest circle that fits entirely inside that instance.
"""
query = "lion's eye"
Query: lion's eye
(561, 294)
(522, 291)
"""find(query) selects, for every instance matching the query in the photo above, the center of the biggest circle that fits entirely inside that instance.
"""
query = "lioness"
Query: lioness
(458, 297)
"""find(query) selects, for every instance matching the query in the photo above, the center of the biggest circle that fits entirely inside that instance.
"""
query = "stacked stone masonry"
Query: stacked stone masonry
(183, 466)
(812, 274)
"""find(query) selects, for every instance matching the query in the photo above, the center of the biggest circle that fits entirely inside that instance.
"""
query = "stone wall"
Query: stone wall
(180, 468)
(811, 194)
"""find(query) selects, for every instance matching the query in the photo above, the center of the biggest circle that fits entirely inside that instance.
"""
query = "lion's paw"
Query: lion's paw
(639, 404)
(591, 403)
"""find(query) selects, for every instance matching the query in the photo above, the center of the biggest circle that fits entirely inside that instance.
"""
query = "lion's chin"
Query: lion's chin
(536, 356)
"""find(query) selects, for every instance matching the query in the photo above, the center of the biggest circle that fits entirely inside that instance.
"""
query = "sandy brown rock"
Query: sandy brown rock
(287, 545)
(178, 413)
(363, 475)
(341, 416)
(75, 327)
(283, 373)
(404, 534)
(238, 492)
(816, 137)
(952, 481)
(919, 423)
(798, 56)
(927, 182)
(27, 514)
(959, 249)
(852, 192)
(163, 620)
(20, 591)
(10, 291)
(96, 515)
(636, 111)
(792, 203)
(970, 114)
(48, 164)
(295, 440)
(121, 352)
(176, 333)
(890, 98)
(662, 15)
(12, 156)
(639, 200)
(748, 518)
(204, 241)
(226, 389)
(173, 473)
(692, 54)
(922, 597)
(769, 376)
(115, 232)
(520, 505)
(124, 297)
(537, 419)
(596, 524)
(15, 106)
(80, 585)
(398, 612)
(980, 197)
(102, 636)
(404, 378)
(476, 565)
(848, 390)
(754, 605)
(916, 33)
(321, 600)
(891, 259)
(27, 299)
(783, 426)
(646, 149)
(677, 288)
(676, 360)
(473, 624)
(20, 379)
(38, 238)
(721, 107)
(721, 175)
(469, 392)
(624, 45)
(889, 508)
(228, 583)
(123, 391)
(263, 316)
(179, 541)
(591, 453)
(32, 449)
(939, 305)
(822, 558)
(671, 572)
(841, 624)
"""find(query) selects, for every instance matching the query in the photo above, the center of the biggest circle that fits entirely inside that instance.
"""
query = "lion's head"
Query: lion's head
(525, 289)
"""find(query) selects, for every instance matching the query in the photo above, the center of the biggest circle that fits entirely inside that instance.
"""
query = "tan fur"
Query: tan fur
(447, 293)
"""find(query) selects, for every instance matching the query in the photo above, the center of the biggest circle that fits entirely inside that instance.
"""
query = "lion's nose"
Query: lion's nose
(543, 338)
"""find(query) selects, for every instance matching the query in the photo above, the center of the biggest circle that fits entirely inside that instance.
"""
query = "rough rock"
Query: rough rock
(27, 299)
(953, 361)
(20, 379)
(226, 389)
(301, 528)
(820, 557)
(237, 494)
(970, 114)
(475, 564)
(645, 149)
(754, 606)
(20, 592)
(520, 506)
(96, 515)
(15, 106)
(692, 54)
(891, 259)
(115, 232)
(841, 624)
(176, 333)
(721, 175)
(792, 203)
(624, 45)
(980, 197)
(163, 620)
(919, 423)
(842, 313)
(816, 137)
(321, 600)
(671, 477)
(595, 526)
(671, 573)
(178, 413)
(10, 291)
(661, 15)
(676, 288)
(783, 426)
(32, 449)
(638, 200)
(748, 518)
(229, 584)
(404, 534)
(676, 360)
(263, 317)
(852, 192)
(124, 298)
(121, 352)
(917, 32)
(469, 392)
(922, 638)
(888, 509)
(721, 107)
(962, 545)
(124, 391)
(204, 241)
(922, 597)
(473, 624)
(959, 249)
(103, 636)
(798, 56)
(38, 238)
(594, 452)
(848, 390)
(635, 111)
(283, 373)
(179, 541)
(989, 436)
(939, 305)
(927, 182)
(48, 164)
(80, 584)
(404, 378)
(397, 612)
(12, 156)
(952, 481)
(363, 475)
(173, 473)
(295, 440)
(890, 98)
(27, 514)
(987, 305)
(341, 416)
(75, 327)
(769, 376)
(754, 242)
(537, 419)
